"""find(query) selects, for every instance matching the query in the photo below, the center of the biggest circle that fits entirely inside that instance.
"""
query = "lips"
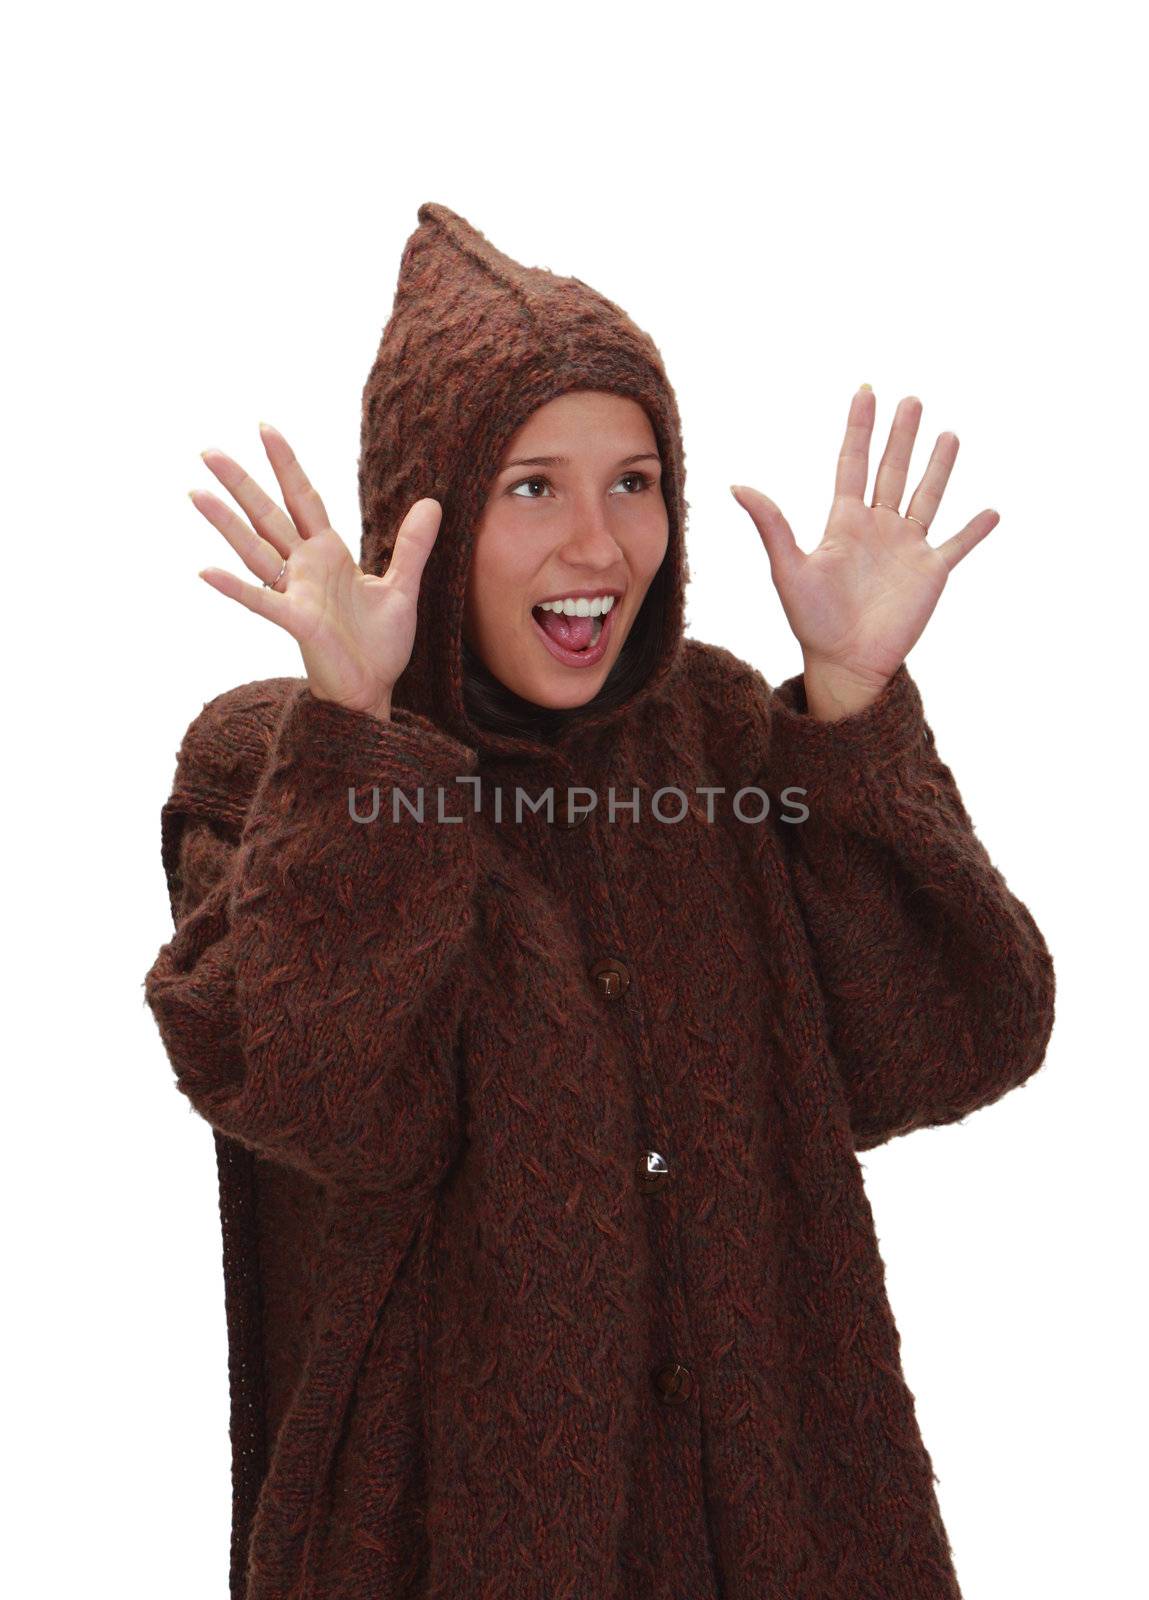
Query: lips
(579, 658)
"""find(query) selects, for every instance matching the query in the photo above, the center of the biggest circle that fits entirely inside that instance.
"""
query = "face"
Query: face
(576, 514)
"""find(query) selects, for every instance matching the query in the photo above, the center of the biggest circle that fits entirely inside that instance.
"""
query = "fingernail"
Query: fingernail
(868, 386)
(264, 425)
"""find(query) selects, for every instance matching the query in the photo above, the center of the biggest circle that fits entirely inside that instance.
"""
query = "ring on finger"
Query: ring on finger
(909, 516)
(278, 575)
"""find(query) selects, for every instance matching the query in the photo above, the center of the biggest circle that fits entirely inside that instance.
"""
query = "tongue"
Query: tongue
(573, 633)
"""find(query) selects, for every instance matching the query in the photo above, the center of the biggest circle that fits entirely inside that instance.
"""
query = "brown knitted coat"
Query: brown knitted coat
(550, 1271)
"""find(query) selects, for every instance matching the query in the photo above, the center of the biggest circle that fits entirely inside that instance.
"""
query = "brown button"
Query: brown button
(568, 814)
(674, 1383)
(652, 1170)
(611, 976)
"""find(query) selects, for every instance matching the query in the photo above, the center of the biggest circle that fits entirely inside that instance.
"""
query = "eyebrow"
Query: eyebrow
(564, 461)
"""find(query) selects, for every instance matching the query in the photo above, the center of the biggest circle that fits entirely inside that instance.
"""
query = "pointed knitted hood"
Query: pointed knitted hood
(475, 344)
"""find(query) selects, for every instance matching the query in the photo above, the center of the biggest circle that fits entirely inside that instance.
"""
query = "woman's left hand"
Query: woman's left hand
(860, 601)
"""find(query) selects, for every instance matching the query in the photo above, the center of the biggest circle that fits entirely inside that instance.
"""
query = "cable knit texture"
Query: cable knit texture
(550, 1272)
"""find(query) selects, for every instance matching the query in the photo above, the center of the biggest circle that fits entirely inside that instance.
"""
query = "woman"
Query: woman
(550, 1267)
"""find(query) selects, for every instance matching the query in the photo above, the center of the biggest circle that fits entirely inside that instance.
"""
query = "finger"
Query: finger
(927, 496)
(413, 545)
(854, 460)
(957, 548)
(269, 603)
(257, 554)
(773, 529)
(299, 493)
(271, 520)
(890, 483)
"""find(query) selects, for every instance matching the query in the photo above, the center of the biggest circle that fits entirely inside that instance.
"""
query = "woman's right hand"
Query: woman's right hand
(356, 631)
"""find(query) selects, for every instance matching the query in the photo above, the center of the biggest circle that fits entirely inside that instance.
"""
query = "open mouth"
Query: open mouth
(575, 641)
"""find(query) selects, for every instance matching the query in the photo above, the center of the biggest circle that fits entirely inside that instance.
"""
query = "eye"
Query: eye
(526, 484)
(644, 480)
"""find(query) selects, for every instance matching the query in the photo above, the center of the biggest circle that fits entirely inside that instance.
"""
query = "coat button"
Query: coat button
(652, 1171)
(674, 1383)
(611, 976)
(566, 816)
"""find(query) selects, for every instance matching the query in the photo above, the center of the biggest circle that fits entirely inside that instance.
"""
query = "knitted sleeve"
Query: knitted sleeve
(306, 1000)
(938, 984)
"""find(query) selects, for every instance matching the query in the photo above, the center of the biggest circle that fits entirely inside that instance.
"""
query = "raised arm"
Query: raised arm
(307, 1000)
(938, 985)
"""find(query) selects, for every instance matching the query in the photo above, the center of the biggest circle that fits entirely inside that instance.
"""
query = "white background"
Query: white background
(206, 207)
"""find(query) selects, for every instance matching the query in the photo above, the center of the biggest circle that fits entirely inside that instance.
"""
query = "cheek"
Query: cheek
(497, 555)
(651, 546)
(484, 584)
(495, 618)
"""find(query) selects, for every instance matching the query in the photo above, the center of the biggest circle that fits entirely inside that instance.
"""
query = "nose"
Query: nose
(587, 539)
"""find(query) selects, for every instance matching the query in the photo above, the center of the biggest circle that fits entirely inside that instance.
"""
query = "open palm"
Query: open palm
(860, 601)
(356, 631)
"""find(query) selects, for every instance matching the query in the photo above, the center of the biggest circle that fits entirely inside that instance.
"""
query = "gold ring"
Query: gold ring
(278, 575)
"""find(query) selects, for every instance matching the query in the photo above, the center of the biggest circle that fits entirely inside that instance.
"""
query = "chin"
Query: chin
(580, 696)
(566, 696)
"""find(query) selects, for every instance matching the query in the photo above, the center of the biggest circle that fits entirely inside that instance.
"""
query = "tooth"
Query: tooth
(596, 607)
